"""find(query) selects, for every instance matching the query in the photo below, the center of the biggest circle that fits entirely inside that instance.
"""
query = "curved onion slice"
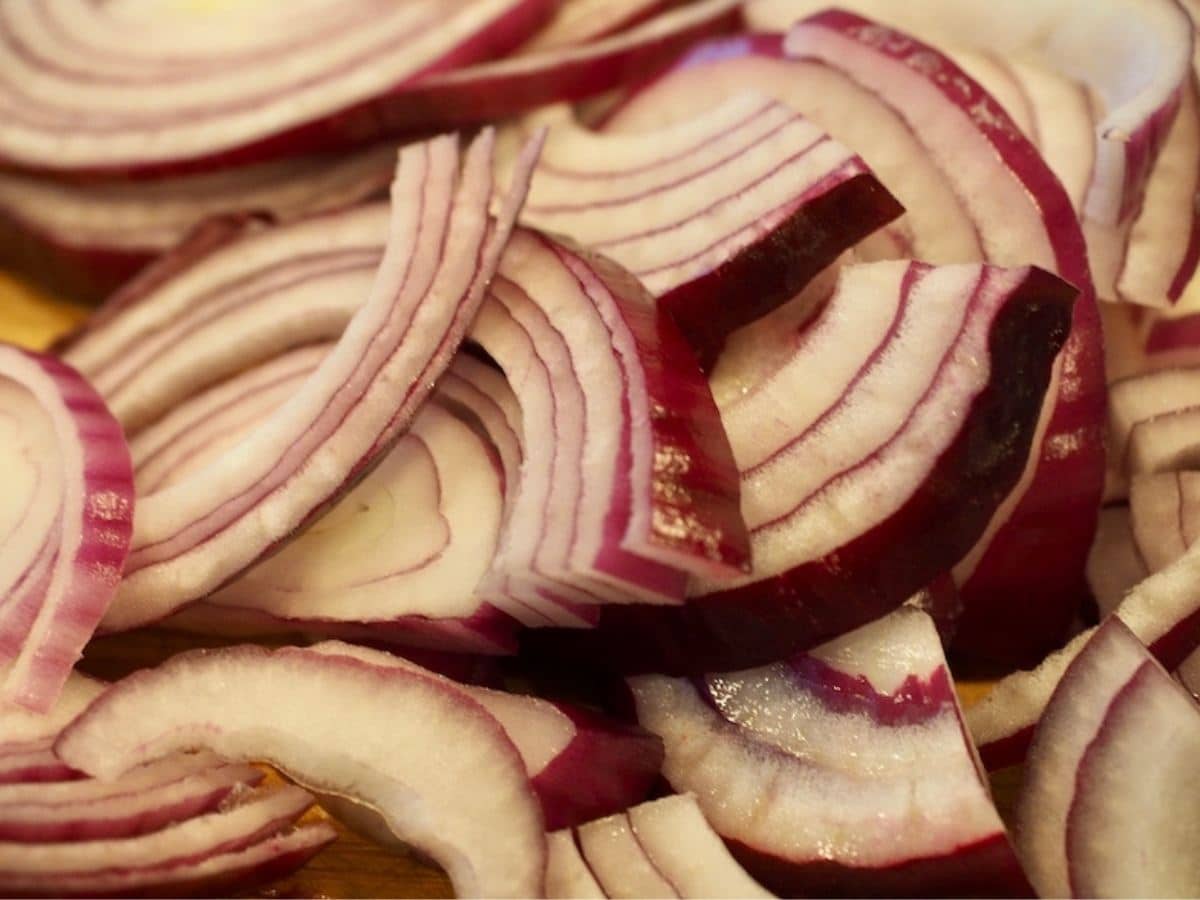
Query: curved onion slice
(432, 762)
(1093, 818)
(34, 762)
(196, 535)
(1144, 401)
(974, 189)
(145, 800)
(87, 239)
(1140, 79)
(223, 875)
(37, 867)
(65, 526)
(722, 217)
(664, 846)
(1164, 512)
(584, 21)
(86, 88)
(20, 726)
(615, 385)
(579, 764)
(845, 770)
(1163, 612)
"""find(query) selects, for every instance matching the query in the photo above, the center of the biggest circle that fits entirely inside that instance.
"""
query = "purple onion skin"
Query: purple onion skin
(874, 573)
(987, 868)
(608, 767)
(773, 270)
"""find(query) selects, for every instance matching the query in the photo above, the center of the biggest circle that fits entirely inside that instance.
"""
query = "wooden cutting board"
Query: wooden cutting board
(352, 867)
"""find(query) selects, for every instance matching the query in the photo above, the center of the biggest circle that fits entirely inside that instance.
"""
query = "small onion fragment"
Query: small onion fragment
(65, 529)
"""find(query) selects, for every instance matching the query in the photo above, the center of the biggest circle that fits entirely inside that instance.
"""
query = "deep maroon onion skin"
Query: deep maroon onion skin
(987, 868)
(879, 570)
(776, 268)
(622, 763)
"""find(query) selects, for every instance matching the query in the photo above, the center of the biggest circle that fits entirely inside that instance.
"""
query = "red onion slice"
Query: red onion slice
(226, 874)
(580, 764)
(85, 240)
(67, 532)
(33, 762)
(792, 764)
(68, 106)
(1143, 401)
(1164, 515)
(1115, 565)
(746, 202)
(144, 801)
(38, 867)
(442, 774)
(20, 726)
(1140, 81)
(194, 536)
(973, 188)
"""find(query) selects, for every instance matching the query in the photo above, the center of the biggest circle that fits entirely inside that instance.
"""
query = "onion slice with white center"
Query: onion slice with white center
(84, 88)
(85, 240)
(65, 527)
(192, 537)
(722, 218)
(433, 763)
(1140, 79)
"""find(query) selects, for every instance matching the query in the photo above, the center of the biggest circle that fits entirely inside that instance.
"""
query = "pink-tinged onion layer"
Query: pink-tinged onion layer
(843, 771)
(86, 91)
(66, 533)
(192, 537)
(86, 240)
(432, 763)
(722, 217)
(973, 189)
(1139, 81)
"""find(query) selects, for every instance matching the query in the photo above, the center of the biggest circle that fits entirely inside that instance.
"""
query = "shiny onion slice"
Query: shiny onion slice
(613, 382)
(37, 868)
(160, 89)
(65, 526)
(194, 536)
(1139, 84)
(722, 217)
(85, 240)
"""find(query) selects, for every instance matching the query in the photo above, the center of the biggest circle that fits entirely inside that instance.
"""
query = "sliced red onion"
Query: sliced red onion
(225, 874)
(593, 365)
(1163, 611)
(194, 536)
(722, 217)
(1140, 81)
(66, 527)
(973, 188)
(1144, 402)
(1115, 565)
(580, 764)
(579, 22)
(87, 89)
(85, 240)
(1164, 515)
(659, 849)
(1093, 819)
(845, 770)
(146, 800)
(1166, 442)
(20, 727)
(33, 762)
(442, 774)
(37, 868)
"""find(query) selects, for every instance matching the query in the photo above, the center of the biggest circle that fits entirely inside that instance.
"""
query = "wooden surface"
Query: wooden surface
(352, 867)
